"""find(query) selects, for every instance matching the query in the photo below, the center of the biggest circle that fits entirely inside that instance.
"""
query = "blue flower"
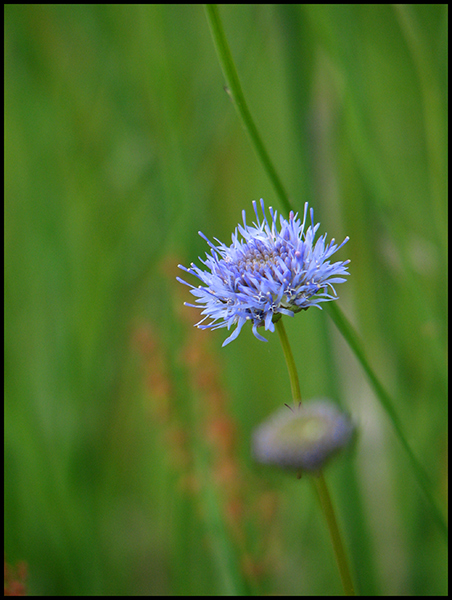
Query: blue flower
(265, 273)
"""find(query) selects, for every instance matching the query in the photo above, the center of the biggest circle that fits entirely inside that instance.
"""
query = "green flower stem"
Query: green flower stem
(293, 375)
(336, 539)
(340, 320)
(319, 480)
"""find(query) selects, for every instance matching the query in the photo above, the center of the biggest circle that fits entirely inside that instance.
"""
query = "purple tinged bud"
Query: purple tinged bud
(303, 438)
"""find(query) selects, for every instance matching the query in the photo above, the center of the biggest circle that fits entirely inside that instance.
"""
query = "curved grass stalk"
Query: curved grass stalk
(340, 320)
(235, 91)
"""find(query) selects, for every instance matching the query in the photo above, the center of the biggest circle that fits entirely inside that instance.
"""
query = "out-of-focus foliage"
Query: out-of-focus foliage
(127, 431)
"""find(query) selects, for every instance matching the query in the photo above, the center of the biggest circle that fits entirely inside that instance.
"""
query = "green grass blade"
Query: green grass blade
(238, 98)
(235, 90)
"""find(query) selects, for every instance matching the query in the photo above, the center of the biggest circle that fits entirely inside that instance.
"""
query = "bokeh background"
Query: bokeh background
(127, 430)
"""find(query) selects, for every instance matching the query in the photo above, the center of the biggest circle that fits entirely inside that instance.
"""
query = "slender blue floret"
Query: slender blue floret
(265, 273)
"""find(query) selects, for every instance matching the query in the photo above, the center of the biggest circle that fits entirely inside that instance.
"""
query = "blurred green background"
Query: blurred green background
(127, 459)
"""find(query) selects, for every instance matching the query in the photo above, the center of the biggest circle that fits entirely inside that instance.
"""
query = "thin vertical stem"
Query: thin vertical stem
(336, 538)
(318, 480)
(293, 375)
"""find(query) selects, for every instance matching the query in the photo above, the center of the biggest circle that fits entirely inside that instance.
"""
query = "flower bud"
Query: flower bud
(304, 437)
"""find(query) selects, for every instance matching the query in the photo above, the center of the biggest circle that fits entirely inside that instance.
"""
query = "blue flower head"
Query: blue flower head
(265, 273)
